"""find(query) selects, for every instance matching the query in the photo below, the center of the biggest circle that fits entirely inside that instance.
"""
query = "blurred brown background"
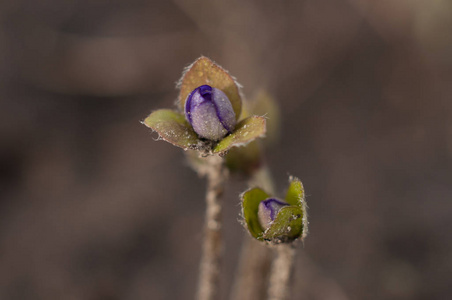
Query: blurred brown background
(91, 207)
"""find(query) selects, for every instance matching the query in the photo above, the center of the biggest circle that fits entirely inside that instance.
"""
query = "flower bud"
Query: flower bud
(267, 211)
(210, 113)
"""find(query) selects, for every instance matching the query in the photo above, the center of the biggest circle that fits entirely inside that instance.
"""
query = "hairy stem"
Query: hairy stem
(281, 271)
(255, 257)
(212, 245)
(254, 265)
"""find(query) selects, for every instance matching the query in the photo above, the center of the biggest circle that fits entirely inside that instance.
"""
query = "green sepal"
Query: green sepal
(173, 128)
(204, 71)
(246, 131)
(287, 226)
(295, 192)
(296, 196)
(250, 206)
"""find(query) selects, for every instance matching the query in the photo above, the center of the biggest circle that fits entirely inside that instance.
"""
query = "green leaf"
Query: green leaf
(246, 131)
(263, 104)
(250, 206)
(173, 128)
(245, 160)
(295, 192)
(287, 226)
(204, 71)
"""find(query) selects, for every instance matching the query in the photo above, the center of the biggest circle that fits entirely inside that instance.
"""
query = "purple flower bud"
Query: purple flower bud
(210, 112)
(267, 211)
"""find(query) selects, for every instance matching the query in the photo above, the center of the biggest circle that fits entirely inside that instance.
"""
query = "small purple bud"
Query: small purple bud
(267, 211)
(210, 112)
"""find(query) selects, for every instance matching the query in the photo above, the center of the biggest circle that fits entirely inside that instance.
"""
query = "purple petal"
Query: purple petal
(267, 211)
(210, 112)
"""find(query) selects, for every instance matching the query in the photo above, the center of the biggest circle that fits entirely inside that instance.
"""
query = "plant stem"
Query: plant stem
(212, 245)
(255, 257)
(252, 276)
(280, 273)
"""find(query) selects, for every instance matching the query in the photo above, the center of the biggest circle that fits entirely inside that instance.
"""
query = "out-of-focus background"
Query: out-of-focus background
(91, 207)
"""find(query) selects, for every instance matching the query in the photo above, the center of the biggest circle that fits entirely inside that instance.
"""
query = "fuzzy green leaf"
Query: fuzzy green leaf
(246, 131)
(173, 128)
(295, 192)
(287, 226)
(204, 71)
(250, 206)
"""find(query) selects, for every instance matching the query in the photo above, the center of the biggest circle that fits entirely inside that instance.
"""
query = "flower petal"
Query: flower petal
(267, 211)
(210, 113)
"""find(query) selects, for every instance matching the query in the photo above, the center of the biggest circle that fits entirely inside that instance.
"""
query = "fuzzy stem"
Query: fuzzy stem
(212, 245)
(255, 257)
(252, 276)
(281, 271)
